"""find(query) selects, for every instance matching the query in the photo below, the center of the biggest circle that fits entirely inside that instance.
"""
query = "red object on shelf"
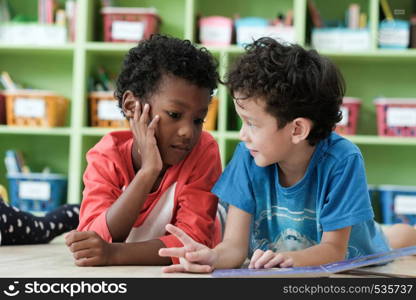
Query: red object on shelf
(396, 116)
(2, 109)
(350, 111)
(129, 24)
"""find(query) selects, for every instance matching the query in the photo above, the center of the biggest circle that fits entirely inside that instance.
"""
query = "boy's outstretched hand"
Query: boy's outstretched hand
(269, 259)
(88, 248)
(193, 257)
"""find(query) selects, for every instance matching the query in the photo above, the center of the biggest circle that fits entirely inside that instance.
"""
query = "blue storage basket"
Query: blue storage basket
(37, 192)
(251, 26)
(394, 34)
(398, 204)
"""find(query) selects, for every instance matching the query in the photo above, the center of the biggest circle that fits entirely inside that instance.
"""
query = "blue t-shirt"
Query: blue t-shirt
(332, 195)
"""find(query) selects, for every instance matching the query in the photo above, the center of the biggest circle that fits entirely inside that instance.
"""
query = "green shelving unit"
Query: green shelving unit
(65, 70)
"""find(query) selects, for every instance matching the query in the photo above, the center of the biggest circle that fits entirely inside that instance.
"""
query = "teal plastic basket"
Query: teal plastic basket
(37, 192)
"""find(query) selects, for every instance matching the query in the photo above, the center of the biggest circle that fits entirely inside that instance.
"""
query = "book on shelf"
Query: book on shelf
(353, 13)
(4, 11)
(7, 81)
(325, 270)
(13, 162)
(413, 31)
(315, 15)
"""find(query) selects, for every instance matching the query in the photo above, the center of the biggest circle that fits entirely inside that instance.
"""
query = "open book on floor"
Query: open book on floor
(325, 270)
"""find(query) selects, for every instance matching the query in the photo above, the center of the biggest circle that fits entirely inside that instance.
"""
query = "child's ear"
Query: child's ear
(301, 127)
(129, 104)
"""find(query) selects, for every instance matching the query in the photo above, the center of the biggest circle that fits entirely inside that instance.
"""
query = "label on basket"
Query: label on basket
(215, 34)
(401, 116)
(345, 113)
(405, 205)
(36, 190)
(29, 107)
(109, 110)
(123, 30)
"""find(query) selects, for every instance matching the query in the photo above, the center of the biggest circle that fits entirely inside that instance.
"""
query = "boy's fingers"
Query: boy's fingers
(191, 268)
(195, 268)
(83, 244)
(68, 233)
(275, 261)
(137, 110)
(82, 254)
(78, 246)
(264, 259)
(173, 269)
(153, 123)
(85, 262)
(256, 255)
(152, 128)
(132, 124)
(180, 234)
(287, 263)
(172, 252)
(144, 118)
(76, 236)
(199, 255)
(68, 236)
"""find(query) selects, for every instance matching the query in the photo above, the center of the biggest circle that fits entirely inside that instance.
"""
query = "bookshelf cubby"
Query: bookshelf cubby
(65, 69)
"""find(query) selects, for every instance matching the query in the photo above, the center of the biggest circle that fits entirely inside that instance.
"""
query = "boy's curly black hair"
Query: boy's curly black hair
(159, 55)
(294, 82)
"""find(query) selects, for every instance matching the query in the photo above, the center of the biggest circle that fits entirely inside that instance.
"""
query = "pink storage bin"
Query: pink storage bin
(215, 31)
(129, 24)
(350, 111)
(396, 116)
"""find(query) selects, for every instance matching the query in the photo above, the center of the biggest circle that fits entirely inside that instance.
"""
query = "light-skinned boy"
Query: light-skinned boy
(159, 172)
(296, 191)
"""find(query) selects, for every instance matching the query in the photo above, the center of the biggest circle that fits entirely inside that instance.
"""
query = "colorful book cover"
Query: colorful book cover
(325, 270)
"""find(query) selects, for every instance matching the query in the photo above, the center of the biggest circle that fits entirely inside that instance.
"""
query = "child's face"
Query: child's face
(267, 143)
(182, 107)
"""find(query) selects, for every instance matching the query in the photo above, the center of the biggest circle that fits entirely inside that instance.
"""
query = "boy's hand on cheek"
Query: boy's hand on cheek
(269, 259)
(88, 248)
(144, 134)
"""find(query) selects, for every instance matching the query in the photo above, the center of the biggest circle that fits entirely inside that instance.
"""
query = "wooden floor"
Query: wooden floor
(55, 260)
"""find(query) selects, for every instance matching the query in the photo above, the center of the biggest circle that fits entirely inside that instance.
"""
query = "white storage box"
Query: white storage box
(32, 34)
(341, 39)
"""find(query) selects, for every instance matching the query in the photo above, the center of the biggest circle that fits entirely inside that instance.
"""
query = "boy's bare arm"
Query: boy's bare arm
(233, 250)
(141, 253)
(123, 213)
(333, 247)
(89, 249)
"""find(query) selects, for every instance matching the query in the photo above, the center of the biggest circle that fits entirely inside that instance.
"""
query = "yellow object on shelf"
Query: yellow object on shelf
(211, 118)
(3, 194)
(387, 10)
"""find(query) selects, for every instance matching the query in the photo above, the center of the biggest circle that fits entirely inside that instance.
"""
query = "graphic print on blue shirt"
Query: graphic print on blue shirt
(285, 220)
